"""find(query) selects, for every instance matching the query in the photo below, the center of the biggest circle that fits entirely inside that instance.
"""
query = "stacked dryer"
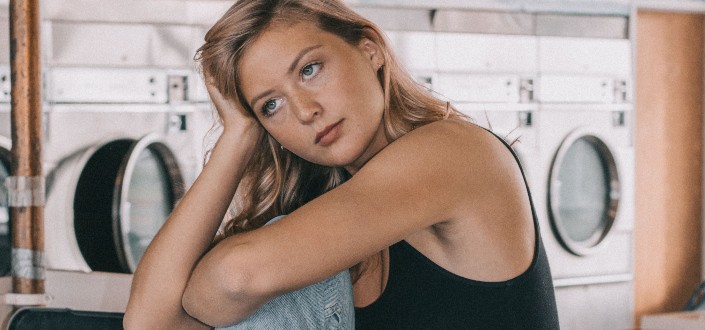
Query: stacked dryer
(586, 187)
(125, 116)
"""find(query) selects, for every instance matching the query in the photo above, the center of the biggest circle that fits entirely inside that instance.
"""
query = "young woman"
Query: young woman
(430, 213)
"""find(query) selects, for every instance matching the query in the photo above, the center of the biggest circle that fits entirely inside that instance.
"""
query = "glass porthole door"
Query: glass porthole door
(150, 186)
(124, 194)
(584, 192)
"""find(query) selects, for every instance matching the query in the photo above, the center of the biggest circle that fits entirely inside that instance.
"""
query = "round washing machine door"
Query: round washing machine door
(5, 233)
(124, 194)
(583, 192)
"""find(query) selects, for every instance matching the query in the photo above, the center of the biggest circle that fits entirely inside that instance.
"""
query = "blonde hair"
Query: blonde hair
(277, 181)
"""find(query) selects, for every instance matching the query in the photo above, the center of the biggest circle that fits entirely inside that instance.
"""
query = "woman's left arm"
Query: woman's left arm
(420, 180)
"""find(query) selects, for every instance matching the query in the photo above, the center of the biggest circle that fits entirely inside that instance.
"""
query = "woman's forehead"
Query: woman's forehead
(273, 52)
(283, 39)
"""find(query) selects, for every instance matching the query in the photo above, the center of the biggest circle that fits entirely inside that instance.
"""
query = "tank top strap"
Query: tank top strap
(526, 185)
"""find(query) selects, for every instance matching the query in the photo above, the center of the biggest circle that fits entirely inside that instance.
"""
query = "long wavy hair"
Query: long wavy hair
(277, 181)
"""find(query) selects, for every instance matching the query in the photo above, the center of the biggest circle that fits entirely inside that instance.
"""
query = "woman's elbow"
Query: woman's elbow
(222, 297)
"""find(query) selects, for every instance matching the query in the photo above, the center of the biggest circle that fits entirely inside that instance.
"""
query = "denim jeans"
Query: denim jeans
(324, 305)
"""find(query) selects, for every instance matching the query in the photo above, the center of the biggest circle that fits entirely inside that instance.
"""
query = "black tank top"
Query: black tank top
(422, 295)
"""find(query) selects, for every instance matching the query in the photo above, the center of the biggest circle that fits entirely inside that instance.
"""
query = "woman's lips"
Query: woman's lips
(329, 134)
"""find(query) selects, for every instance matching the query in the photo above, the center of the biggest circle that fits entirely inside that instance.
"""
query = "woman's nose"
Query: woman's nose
(305, 107)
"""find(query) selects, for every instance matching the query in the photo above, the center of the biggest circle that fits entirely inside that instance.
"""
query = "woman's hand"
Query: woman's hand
(231, 111)
(238, 124)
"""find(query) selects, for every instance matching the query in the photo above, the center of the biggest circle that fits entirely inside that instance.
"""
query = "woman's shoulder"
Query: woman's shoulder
(448, 156)
(449, 129)
(450, 142)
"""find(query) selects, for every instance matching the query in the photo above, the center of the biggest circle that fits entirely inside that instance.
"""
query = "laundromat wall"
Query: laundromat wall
(120, 75)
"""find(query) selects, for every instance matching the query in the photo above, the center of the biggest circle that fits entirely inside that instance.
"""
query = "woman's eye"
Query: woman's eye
(310, 70)
(270, 107)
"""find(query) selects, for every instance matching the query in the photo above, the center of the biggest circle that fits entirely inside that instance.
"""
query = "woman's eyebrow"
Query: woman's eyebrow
(298, 57)
(292, 67)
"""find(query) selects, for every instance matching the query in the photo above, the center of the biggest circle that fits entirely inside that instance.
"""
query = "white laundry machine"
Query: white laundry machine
(125, 116)
(584, 201)
(584, 186)
(115, 168)
(106, 201)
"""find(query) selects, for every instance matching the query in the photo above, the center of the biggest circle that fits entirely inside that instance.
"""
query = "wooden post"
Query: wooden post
(27, 182)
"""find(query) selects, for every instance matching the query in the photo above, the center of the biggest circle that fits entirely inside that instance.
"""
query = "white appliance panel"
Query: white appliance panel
(486, 53)
(572, 89)
(124, 45)
(477, 88)
(93, 85)
(585, 56)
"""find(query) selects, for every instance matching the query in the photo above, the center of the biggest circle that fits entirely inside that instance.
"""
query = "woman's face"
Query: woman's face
(316, 94)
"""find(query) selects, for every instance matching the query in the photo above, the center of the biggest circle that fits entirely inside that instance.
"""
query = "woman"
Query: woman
(430, 213)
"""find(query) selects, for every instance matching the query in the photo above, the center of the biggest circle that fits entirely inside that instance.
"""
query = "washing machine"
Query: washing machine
(124, 118)
(584, 198)
(119, 155)
(584, 186)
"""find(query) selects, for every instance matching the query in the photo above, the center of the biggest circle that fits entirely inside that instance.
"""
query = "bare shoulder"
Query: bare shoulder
(447, 147)
(451, 135)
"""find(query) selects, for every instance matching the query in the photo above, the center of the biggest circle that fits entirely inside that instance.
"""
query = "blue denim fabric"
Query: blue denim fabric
(324, 305)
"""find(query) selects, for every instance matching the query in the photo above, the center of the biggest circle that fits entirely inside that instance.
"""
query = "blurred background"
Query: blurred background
(605, 97)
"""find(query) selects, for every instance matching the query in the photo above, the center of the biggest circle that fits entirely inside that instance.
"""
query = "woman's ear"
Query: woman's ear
(371, 47)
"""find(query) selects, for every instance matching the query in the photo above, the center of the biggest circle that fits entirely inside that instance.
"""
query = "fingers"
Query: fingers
(230, 110)
(225, 106)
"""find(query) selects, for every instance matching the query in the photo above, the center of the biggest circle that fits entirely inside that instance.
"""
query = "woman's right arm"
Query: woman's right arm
(165, 268)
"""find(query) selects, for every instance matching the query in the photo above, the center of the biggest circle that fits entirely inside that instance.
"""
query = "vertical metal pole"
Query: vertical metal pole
(27, 211)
